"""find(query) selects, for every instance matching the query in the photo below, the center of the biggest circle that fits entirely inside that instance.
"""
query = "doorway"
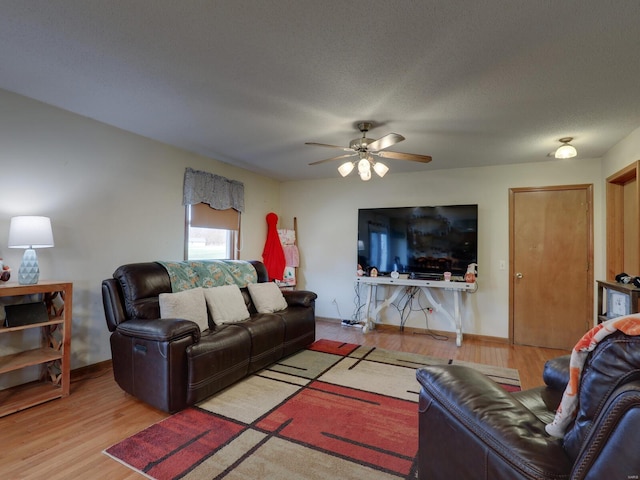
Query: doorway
(551, 258)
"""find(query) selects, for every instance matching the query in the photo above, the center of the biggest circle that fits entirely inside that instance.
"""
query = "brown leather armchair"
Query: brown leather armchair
(470, 428)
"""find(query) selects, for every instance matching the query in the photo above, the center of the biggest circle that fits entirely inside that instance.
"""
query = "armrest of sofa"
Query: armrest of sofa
(160, 330)
(112, 302)
(556, 372)
(462, 410)
(299, 298)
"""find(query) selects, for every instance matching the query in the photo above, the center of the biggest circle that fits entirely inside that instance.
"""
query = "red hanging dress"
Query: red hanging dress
(273, 253)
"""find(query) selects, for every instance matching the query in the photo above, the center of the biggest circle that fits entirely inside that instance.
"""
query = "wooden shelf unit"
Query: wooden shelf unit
(54, 354)
(632, 292)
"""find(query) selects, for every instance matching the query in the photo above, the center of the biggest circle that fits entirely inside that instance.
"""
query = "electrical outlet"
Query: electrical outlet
(503, 265)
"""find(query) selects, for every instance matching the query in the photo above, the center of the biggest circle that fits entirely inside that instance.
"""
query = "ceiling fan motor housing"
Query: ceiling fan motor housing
(360, 144)
(365, 147)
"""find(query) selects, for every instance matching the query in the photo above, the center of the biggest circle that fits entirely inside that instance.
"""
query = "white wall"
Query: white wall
(327, 230)
(113, 198)
(625, 152)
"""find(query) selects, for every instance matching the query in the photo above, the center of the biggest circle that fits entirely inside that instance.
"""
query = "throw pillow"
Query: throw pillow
(226, 304)
(267, 297)
(189, 304)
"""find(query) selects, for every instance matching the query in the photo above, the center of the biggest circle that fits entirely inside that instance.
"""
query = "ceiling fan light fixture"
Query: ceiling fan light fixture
(364, 166)
(363, 148)
(381, 169)
(566, 150)
(346, 168)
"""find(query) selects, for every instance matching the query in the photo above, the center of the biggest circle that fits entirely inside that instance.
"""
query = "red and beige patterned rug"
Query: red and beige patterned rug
(334, 410)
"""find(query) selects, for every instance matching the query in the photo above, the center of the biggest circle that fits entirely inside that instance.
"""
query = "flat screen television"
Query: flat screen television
(425, 241)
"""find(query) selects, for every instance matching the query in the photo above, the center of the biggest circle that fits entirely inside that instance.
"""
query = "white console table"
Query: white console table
(425, 285)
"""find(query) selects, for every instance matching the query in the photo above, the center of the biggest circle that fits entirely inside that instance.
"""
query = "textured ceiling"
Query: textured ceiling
(247, 82)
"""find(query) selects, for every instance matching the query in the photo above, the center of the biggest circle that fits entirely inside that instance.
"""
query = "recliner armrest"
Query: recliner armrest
(486, 422)
(161, 329)
(556, 372)
(301, 298)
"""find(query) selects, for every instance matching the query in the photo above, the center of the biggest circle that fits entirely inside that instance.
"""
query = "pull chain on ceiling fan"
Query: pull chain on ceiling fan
(364, 149)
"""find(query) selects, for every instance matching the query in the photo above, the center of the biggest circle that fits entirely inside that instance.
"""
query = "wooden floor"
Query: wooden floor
(63, 439)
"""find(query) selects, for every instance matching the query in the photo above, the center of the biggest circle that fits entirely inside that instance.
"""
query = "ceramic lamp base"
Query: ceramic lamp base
(29, 271)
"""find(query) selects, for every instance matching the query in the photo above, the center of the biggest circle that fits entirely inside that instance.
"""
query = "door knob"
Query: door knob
(519, 275)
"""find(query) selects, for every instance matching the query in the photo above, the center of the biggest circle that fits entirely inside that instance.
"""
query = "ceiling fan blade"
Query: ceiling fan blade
(346, 149)
(385, 142)
(405, 156)
(333, 158)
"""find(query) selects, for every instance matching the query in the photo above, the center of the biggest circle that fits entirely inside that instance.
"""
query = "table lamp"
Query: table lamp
(30, 232)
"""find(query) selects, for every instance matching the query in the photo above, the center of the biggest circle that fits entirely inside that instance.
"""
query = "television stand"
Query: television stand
(400, 284)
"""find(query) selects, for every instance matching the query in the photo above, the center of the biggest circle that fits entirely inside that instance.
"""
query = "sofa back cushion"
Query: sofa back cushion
(141, 284)
(615, 361)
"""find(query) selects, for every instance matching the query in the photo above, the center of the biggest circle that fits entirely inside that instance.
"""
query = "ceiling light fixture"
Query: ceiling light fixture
(346, 168)
(566, 150)
(364, 167)
(381, 169)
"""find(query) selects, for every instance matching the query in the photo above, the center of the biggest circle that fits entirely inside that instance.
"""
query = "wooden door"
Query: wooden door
(551, 248)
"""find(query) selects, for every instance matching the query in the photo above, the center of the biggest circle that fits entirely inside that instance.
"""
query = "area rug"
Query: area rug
(333, 410)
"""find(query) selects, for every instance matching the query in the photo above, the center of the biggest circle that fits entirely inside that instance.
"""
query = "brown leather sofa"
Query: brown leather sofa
(170, 363)
(470, 428)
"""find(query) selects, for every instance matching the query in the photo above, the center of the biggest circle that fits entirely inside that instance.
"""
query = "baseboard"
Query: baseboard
(422, 331)
(91, 370)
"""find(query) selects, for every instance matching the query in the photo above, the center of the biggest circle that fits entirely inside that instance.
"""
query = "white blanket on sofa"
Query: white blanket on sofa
(568, 408)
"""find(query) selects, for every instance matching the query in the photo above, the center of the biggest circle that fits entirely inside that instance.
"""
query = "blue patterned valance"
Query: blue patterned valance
(216, 191)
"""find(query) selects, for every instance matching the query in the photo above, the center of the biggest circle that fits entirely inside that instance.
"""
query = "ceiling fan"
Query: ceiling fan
(364, 149)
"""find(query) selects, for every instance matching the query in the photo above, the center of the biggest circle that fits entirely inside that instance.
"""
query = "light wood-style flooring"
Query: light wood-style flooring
(64, 439)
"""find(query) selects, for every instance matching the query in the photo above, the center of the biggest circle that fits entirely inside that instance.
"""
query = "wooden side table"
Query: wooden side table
(53, 355)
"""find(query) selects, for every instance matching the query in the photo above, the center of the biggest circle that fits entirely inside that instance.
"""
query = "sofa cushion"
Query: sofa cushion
(267, 297)
(226, 304)
(189, 304)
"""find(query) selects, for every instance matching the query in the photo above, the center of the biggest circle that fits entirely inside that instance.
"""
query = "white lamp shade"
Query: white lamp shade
(566, 151)
(30, 232)
(364, 166)
(365, 175)
(381, 169)
(345, 168)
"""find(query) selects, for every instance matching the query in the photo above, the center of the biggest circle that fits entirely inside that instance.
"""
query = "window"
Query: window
(210, 233)
(379, 249)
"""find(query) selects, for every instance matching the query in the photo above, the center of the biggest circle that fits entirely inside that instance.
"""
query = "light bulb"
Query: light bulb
(381, 169)
(364, 166)
(365, 175)
(566, 151)
(345, 168)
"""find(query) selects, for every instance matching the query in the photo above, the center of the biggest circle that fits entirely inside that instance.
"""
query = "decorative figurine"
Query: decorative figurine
(5, 271)
(470, 276)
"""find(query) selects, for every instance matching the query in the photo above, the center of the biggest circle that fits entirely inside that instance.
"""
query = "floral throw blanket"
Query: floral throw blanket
(566, 412)
(209, 273)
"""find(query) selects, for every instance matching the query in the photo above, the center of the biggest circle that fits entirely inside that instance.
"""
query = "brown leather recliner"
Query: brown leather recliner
(470, 428)
(169, 363)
